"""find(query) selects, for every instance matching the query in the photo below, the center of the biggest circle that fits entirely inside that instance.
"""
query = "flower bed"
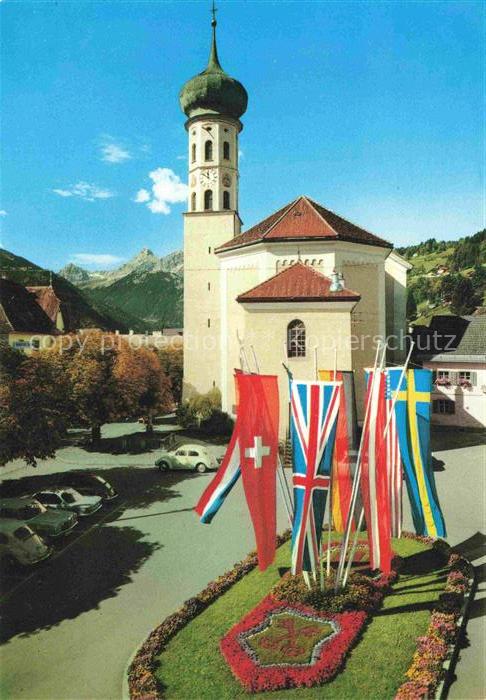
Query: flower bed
(272, 664)
(427, 671)
(141, 679)
(179, 643)
(278, 645)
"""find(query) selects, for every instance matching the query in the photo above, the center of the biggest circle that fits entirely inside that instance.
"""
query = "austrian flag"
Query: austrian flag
(253, 453)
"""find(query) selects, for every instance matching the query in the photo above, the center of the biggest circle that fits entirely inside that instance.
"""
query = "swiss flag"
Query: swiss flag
(257, 424)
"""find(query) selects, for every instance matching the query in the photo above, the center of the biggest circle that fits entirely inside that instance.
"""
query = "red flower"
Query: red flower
(256, 677)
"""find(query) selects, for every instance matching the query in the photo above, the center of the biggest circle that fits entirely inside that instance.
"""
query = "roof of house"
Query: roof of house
(298, 282)
(47, 300)
(304, 219)
(455, 339)
(20, 311)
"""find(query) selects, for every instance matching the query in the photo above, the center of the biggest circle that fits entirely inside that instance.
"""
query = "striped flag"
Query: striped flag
(224, 480)
(253, 453)
(374, 475)
(394, 463)
(314, 412)
(341, 482)
(412, 411)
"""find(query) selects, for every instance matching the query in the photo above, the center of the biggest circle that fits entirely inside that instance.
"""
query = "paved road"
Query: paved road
(70, 629)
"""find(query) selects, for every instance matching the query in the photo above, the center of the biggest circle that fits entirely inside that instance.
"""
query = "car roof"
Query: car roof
(16, 502)
(202, 448)
(8, 525)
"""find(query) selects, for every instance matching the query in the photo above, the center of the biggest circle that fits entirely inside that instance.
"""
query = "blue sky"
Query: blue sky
(374, 109)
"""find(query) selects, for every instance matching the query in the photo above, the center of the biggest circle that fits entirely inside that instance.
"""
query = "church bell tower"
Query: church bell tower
(213, 103)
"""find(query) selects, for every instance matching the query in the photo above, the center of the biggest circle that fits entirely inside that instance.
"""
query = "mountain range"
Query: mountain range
(147, 289)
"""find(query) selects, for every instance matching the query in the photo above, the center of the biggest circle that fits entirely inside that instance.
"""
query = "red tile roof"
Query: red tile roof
(47, 300)
(298, 282)
(304, 219)
(19, 310)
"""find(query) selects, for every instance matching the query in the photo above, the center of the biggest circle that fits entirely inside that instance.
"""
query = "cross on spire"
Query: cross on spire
(213, 12)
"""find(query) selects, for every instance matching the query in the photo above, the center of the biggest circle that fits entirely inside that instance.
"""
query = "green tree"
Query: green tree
(411, 305)
(464, 299)
(33, 406)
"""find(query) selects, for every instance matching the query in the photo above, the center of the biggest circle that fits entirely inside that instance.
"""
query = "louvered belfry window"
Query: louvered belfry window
(296, 339)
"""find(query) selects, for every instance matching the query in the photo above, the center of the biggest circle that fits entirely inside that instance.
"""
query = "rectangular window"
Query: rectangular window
(296, 341)
(209, 286)
(209, 250)
(209, 323)
(465, 374)
(444, 407)
(443, 374)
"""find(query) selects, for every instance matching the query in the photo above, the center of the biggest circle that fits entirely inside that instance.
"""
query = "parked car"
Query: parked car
(46, 522)
(19, 544)
(69, 499)
(89, 484)
(194, 457)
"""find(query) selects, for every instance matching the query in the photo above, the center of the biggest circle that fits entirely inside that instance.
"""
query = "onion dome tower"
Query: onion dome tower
(213, 101)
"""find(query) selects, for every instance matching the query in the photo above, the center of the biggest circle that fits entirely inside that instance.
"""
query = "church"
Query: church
(303, 288)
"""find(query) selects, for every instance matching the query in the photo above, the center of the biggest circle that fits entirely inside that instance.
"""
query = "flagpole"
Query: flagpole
(376, 378)
(243, 353)
(331, 482)
(385, 433)
(354, 490)
(288, 506)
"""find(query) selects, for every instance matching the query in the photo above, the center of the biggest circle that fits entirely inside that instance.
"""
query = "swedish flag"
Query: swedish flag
(412, 410)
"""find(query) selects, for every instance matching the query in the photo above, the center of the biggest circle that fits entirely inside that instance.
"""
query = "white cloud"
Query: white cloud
(96, 259)
(3, 212)
(112, 152)
(85, 190)
(142, 196)
(167, 189)
(184, 157)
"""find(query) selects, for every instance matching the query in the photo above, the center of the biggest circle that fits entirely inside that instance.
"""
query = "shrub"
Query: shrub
(203, 412)
(361, 592)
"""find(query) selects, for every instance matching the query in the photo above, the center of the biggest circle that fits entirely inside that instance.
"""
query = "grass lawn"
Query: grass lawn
(192, 666)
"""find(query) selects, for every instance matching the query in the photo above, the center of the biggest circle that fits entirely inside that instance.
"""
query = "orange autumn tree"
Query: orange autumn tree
(144, 388)
(34, 406)
(88, 362)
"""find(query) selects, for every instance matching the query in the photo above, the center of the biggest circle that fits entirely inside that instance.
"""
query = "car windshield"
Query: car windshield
(30, 511)
(68, 497)
(23, 533)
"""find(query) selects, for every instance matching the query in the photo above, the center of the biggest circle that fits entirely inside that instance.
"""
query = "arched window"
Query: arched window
(296, 339)
(208, 150)
(193, 152)
(226, 150)
(208, 200)
(193, 201)
(226, 200)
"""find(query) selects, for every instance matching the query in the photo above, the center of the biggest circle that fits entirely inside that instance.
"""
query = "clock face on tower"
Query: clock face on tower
(208, 177)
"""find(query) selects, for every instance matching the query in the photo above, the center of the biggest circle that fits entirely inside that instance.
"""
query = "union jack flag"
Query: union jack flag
(314, 411)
